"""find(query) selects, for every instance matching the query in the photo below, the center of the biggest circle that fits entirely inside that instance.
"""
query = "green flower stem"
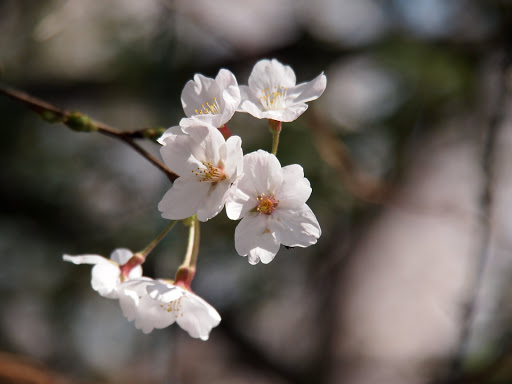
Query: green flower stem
(187, 270)
(275, 128)
(139, 257)
(157, 240)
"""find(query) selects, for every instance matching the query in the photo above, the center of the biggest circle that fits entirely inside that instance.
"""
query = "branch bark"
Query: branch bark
(80, 122)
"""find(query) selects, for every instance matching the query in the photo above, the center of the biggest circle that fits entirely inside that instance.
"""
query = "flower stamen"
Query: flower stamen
(273, 99)
(266, 204)
(210, 173)
(209, 109)
(173, 307)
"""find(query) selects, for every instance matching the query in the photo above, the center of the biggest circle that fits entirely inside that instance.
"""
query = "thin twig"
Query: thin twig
(80, 122)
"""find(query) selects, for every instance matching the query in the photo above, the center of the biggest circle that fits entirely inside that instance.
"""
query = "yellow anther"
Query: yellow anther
(210, 173)
(273, 98)
(213, 108)
(267, 204)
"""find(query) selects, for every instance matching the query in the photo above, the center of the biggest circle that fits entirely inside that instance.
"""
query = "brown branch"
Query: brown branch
(146, 133)
(82, 123)
(21, 369)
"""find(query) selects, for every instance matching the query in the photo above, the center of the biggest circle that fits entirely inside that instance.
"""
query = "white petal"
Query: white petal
(308, 91)
(197, 92)
(176, 151)
(226, 80)
(265, 171)
(216, 121)
(169, 132)
(267, 74)
(254, 108)
(290, 113)
(166, 303)
(295, 228)
(197, 317)
(191, 145)
(234, 161)
(262, 174)
(262, 254)
(253, 238)
(129, 294)
(214, 201)
(250, 102)
(86, 259)
(239, 203)
(295, 189)
(164, 292)
(207, 141)
(230, 98)
(129, 301)
(222, 92)
(183, 199)
(247, 94)
(188, 122)
(139, 285)
(121, 255)
(105, 278)
(156, 308)
(135, 273)
(152, 314)
(104, 275)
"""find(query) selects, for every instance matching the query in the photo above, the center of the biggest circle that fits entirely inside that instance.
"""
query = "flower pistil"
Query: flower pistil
(266, 204)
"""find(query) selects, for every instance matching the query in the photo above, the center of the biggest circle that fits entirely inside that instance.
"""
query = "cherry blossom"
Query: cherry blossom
(271, 201)
(158, 304)
(106, 273)
(211, 101)
(207, 164)
(272, 93)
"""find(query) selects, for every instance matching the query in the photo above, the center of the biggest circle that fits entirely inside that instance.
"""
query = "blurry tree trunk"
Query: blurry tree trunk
(403, 297)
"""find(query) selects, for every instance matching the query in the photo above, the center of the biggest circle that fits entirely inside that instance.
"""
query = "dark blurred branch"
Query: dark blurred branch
(491, 134)
(21, 370)
(487, 373)
(496, 93)
(82, 123)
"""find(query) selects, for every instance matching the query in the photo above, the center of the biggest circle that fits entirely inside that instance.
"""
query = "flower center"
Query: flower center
(173, 307)
(212, 109)
(266, 204)
(273, 99)
(210, 173)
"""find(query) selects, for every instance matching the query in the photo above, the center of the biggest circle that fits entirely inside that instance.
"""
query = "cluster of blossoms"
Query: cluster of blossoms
(270, 200)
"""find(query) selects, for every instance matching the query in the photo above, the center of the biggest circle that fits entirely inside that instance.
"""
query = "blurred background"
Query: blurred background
(408, 153)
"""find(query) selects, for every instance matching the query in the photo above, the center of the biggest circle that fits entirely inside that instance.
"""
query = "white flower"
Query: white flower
(157, 304)
(272, 202)
(272, 93)
(207, 164)
(211, 101)
(106, 274)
